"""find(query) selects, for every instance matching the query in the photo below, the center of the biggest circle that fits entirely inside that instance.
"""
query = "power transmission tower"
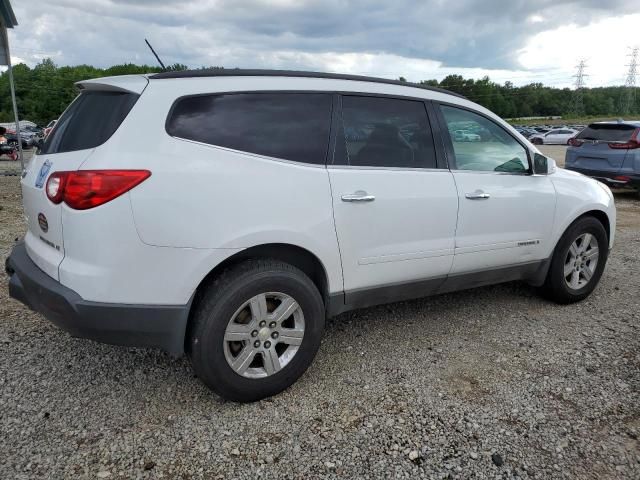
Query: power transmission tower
(628, 99)
(577, 106)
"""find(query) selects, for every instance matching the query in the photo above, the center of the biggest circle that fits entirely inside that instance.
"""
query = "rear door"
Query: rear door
(87, 123)
(395, 208)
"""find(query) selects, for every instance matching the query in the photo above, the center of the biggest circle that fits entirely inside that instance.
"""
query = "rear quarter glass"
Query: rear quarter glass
(89, 121)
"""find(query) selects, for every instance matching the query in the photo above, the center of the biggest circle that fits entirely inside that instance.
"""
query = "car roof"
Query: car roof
(237, 72)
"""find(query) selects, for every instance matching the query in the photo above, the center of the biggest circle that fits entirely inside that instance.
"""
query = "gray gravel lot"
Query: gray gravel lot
(487, 383)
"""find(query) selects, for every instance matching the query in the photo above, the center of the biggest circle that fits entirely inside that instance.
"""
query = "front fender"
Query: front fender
(577, 195)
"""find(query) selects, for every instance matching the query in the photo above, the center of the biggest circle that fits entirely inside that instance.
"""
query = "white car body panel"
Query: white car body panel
(405, 234)
(202, 204)
(507, 228)
(46, 249)
(577, 195)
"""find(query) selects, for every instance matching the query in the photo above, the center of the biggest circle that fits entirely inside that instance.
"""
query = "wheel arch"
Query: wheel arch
(599, 215)
(297, 256)
(602, 217)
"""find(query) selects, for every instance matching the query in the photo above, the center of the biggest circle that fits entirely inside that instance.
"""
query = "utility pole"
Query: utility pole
(577, 106)
(628, 99)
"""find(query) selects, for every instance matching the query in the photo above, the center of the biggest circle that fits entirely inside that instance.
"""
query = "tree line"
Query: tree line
(44, 91)
(536, 99)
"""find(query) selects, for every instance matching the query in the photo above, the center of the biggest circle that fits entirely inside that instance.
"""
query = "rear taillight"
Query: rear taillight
(84, 189)
(55, 186)
(632, 143)
(575, 142)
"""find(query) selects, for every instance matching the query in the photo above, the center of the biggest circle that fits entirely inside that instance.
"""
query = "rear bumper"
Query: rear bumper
(161, 326)
(611, 178)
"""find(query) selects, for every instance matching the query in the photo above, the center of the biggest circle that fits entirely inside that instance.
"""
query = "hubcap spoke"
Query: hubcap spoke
(586, 241)
(237, 332)
(592, 254)
(271, 361)
(258, 305)
(573, 250)
(587, 273)
(568, 268)
(291, 336)
(243, 360)
(284, 310)
(575, 280)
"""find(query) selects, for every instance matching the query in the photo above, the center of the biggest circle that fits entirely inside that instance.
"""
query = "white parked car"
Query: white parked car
(466, 136)
(558, 136)
(225, 214)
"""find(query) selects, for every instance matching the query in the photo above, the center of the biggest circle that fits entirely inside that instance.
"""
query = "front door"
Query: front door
(506, 213)
(395, 210)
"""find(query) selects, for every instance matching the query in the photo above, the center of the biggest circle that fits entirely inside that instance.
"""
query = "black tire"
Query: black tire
(555, 287)
(216, 307)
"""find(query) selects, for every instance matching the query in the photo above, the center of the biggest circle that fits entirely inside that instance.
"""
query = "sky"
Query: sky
(521, 41)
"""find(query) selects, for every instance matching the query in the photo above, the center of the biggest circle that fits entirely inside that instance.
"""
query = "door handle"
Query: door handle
(359, 196)
(478, 195)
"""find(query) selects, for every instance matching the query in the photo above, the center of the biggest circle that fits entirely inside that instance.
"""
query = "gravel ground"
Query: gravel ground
(487, 383)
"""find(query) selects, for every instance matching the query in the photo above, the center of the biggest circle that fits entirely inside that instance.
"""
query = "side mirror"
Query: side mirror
(543, 165)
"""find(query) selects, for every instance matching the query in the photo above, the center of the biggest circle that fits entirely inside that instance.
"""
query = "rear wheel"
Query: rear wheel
(256, 330)
(578, 261)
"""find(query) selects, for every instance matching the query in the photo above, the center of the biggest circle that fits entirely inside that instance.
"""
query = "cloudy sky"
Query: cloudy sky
(518, 40)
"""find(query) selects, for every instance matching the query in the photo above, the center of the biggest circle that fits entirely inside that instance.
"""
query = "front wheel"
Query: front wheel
(578, 262)
(256, 329)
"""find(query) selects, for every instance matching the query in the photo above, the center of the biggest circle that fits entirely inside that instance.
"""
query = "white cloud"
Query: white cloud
(507, 40)
(603, 45)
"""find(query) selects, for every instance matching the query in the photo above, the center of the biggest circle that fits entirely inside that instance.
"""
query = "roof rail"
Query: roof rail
(238, 72)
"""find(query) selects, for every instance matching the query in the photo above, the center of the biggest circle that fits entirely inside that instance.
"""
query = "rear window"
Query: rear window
(89, 121)
(291, 126)
(607, 132)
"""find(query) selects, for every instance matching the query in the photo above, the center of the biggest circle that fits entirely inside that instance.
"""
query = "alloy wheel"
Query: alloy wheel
(264, 335)
(581, 261)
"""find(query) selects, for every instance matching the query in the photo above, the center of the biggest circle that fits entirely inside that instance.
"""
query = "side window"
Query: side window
(385, 132)
(89, 121)
(481, 145)
(291, 126)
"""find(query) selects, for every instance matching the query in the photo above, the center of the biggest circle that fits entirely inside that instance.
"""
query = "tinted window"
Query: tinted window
(607, 132)
(89, 121)
(484, 146)
(385, 132)
(291, 126)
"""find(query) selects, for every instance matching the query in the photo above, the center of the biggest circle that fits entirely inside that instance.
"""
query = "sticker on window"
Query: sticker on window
(42, 175)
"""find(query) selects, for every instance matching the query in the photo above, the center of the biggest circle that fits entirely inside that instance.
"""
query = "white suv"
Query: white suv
(226, 214)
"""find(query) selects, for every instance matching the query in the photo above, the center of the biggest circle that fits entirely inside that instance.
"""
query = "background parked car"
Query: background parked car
(12, 139)
(609, 152)
(466, 136)
(526, 131)
(559, 136)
